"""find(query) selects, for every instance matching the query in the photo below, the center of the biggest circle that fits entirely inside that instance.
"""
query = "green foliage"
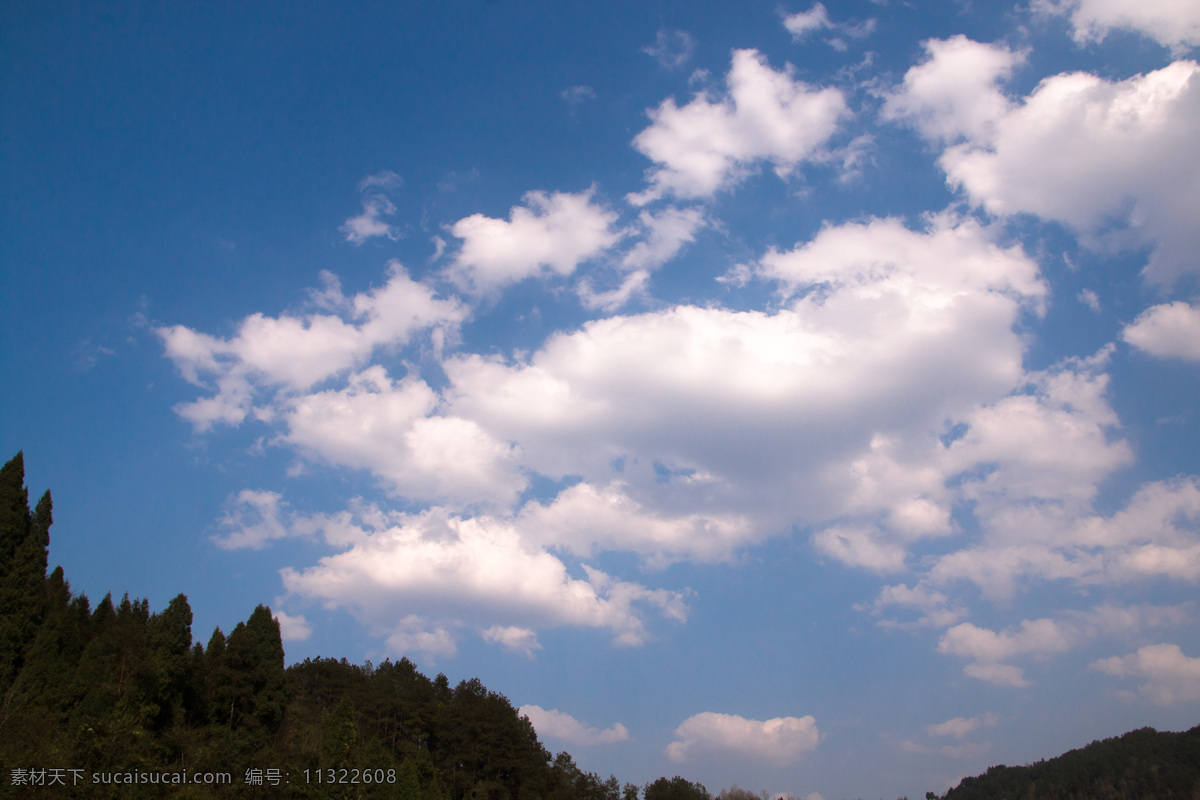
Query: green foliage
(676, 788)
(24, 539)
(1141, 764)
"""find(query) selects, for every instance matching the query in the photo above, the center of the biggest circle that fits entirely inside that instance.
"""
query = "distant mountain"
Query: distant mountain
(1141, 765)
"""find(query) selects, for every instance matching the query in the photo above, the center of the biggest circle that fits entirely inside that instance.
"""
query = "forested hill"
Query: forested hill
(1141, 765)
(95, 697)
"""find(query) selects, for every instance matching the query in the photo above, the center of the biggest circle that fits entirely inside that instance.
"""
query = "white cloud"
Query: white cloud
(778, 741)
(804, 22)
(1171, 677)
(1039, 636)
(252, 519)
(293, 629)
(1045, 637)
(584, 519)
(1112, 160)
(846, 389)
(962, 726)
(442, 569)
(671, 49)
(297, 351)
(707, 145)
(1089, 299)
(409, 635)
(816, 18)
(550, 234)
(953, 94)
(935, 607)
(858, 547)
(632, 285)
(555, 724)
(1170, 330)
(1173, 23)
(518, 640)
(368, 224)
(390, 428)
(1156, 534)
(667, 232)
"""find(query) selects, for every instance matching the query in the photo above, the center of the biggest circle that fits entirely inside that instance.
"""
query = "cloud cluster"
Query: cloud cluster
(880, 404)
(296, 351)
(441, 568)
(1109, 159)
(778, 741)
(988, 649)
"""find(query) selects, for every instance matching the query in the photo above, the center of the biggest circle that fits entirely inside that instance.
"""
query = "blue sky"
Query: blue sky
(801, 396)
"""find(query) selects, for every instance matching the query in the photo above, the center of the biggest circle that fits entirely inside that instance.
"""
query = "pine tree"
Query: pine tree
(24, 539)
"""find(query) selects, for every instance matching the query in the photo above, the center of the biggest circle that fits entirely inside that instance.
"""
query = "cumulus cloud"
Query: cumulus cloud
(584, 519)
(441, 569)
(953, 94)
(844, 389)
(1172, 23)
(549, 234)
(296, 351)
(708, 144)
(1170, 330)
(1112, 160)
(390, 428)
(1171, 676)
(986, 646)
(780, 741)
(555, 724)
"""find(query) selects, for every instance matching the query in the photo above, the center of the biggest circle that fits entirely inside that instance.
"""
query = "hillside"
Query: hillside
(1141, 765)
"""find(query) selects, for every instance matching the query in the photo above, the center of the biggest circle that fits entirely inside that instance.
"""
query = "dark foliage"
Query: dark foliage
(1141, 765)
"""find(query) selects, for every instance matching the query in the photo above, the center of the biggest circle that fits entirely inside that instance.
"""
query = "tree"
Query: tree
(24, 540)
(248, 679)
(676, 788)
